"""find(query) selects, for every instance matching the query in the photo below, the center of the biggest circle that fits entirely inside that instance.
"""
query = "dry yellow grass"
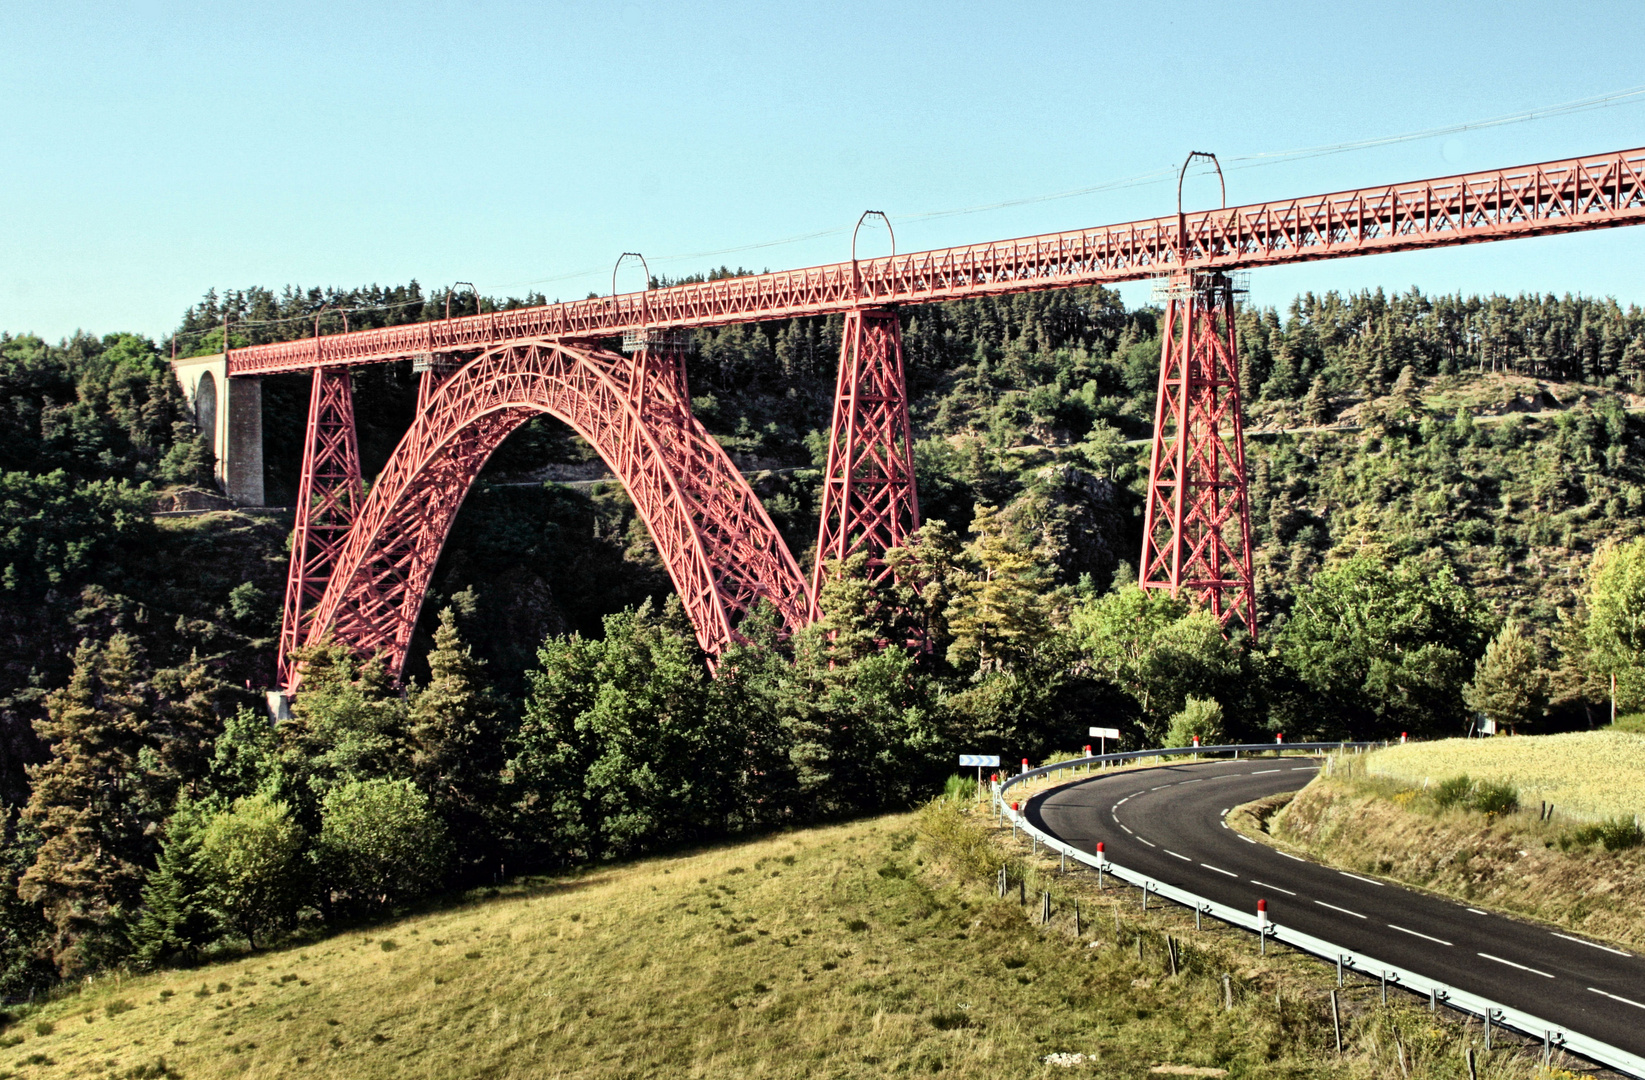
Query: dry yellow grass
(1589, 775)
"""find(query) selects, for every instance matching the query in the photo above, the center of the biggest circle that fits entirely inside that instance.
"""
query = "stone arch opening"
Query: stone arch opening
(205, 405)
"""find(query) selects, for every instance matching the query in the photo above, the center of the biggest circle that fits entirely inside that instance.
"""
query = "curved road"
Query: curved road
(1167, 823)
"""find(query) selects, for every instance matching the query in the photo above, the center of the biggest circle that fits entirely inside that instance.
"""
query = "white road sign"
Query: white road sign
(1105, 733)
(981, 761)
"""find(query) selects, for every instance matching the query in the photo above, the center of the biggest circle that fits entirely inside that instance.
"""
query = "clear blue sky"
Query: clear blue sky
(152, 151)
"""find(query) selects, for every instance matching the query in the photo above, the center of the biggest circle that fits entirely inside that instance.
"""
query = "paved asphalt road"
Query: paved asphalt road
(1167, 822)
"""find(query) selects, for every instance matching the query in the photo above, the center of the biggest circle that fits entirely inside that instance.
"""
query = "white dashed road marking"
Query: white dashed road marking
(1174, 855)
(1344, 910)
(1476, 911)
(1263, 772)
(1148, 842)
(1614, 997)
(1288, 855)
(1593, 945)
(1218, 869)
(1521, 967)
(1356, 877)
(1276, 888)
(1414, 933)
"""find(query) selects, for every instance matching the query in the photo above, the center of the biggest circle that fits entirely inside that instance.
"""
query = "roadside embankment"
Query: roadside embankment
(1455, 820)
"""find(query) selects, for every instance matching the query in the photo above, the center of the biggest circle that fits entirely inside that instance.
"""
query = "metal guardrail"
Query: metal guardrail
(1553, 1036)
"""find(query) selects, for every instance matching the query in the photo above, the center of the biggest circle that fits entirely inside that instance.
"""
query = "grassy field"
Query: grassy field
(1558, 871)
(867, 949)
(1589, 775)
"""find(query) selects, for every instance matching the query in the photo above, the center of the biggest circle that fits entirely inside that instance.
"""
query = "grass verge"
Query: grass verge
(1516, 863)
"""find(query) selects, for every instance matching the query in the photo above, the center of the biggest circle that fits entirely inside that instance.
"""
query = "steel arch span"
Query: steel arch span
(720, 547)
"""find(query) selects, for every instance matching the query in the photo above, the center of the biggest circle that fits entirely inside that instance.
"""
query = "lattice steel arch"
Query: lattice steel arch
(720, 547)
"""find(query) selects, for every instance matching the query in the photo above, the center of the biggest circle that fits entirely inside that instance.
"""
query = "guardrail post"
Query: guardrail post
(1385, 988)
(1339, 969)
(1433, 999)
(1487, 1028)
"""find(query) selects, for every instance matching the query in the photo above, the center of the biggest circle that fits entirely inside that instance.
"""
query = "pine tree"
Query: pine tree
(1509, 685)
(1316, 407)
(175, 921)
(25, 937)
(1003, 614)
(456, 746)
(88, 805)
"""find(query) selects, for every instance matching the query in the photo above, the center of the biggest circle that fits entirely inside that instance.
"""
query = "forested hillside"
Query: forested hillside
(1445, 498)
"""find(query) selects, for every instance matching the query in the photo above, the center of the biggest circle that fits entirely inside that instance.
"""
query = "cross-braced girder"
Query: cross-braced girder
(720, 547)
(1197, 521)
(328, 498)
(869, 502)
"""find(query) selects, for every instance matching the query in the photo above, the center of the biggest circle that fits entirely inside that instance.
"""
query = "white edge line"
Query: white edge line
(1511, 964)
(1306, 768)
(1288, 855)
(1248, 840)
(1615, 997)
(1476, 911)
(1367, 880)
(1276, 888)
(1184, 858)
(1262, 772)
(1224, 824)
(1218, 869)
(1414, 933)
(1592, 945)
(1345, 911)
(1127, 828)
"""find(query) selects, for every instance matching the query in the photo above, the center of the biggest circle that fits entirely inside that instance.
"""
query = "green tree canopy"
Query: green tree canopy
(1198, 716)
(1615, 631)
(251, 859)
(380, 844)
(1388, 643)
(1510, 686)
